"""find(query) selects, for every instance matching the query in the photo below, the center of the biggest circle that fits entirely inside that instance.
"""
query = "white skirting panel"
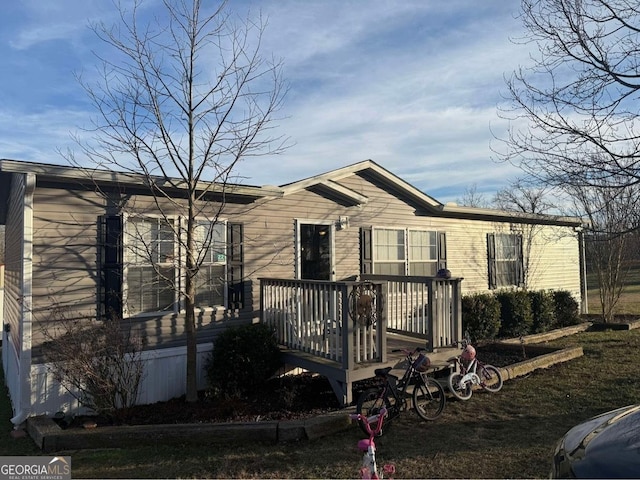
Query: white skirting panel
(164, 379)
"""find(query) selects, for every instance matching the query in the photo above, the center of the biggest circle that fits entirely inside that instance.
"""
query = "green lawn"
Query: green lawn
(629, 302)
(510, 434)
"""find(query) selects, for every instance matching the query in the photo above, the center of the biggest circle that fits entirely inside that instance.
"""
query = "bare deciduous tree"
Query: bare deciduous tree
(523, 198)
(574, 110)
(186, 96)
(472, 198)
(610, 238)
(574, 118)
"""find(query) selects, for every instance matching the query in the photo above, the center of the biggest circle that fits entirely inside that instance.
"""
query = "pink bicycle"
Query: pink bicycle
(369, 468)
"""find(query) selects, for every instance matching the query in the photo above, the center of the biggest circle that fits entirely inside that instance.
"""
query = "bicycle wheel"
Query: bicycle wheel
(461, 392)
(370, 402)
(491, 378)
(428, 398)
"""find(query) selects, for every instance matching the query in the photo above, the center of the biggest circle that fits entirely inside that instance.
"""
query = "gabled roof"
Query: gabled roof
(330, 180)
(104, 177)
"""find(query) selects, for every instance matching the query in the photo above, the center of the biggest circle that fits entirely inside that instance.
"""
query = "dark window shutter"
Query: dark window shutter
(520, 264)
(110, 258)
(235, 265)
(442, 251)
(366, 251)
(491, 256)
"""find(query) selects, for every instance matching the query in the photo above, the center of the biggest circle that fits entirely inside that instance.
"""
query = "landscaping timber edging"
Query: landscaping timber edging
(49, 437)
(541, 361)
(551, 335)
(601, 327)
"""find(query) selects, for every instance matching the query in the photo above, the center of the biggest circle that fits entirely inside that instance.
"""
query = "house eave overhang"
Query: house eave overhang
(428, 205)
(509, 216)
(101, 177)
(351, 196)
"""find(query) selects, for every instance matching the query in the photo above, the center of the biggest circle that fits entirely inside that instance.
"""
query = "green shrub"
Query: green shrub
(480, 316)
(543, 310)
(243, 359)
(567, 311)
(515, 313)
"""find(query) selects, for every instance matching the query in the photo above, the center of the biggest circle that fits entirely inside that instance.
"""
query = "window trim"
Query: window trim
(492, 260)
(225, 291)
(405, 240)
(126, 243)
(178, 304)
(440, 238)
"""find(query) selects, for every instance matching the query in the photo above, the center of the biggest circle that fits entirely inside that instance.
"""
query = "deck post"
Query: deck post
(381, 328)
(434, 330)
(457, 309)
(347, 327)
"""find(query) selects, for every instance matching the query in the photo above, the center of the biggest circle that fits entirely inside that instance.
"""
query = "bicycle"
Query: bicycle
(369, 468)
(470, 371)
(428, 396)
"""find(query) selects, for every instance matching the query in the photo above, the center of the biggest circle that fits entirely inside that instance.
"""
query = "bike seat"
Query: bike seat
(382, 372)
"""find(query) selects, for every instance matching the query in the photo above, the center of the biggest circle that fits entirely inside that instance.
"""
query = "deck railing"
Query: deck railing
(314, 316)
(429, 307)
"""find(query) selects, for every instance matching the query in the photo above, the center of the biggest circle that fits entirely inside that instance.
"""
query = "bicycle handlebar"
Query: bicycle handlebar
(369, 420)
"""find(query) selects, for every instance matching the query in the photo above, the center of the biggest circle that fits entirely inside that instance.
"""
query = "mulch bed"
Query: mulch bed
(287, 398)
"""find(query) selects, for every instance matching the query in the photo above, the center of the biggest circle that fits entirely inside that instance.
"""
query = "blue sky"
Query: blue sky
(413, 85)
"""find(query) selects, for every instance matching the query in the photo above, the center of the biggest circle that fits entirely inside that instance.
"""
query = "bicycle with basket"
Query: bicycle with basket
(426, 394)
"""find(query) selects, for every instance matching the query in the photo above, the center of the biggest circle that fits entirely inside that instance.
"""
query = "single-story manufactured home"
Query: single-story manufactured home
(289, 255)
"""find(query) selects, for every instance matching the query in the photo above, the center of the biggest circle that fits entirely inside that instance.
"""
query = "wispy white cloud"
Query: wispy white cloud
(412, 85)
(423, 109)
(43, 22)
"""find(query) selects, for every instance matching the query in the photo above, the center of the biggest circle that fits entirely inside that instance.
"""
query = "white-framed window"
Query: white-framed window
(211, 280)
(155, 265)
(150, 258)
(389, 251)
(405, 252)
(423, 253)
(506, 263)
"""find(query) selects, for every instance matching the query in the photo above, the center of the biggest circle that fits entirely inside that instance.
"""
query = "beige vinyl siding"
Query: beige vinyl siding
(555, 252)
(14, 259)
(65, 251)
(556, 265)
(64, 257)
(554, 262)
(467, 252)
(270, 236)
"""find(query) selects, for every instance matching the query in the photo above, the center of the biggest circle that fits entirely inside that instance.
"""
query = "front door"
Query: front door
(315, 252)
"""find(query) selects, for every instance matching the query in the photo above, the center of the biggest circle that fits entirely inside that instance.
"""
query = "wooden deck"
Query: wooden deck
(319, 327)
(342, 380)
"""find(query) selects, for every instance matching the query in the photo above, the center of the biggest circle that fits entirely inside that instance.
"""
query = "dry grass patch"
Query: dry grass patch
(510, 434)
